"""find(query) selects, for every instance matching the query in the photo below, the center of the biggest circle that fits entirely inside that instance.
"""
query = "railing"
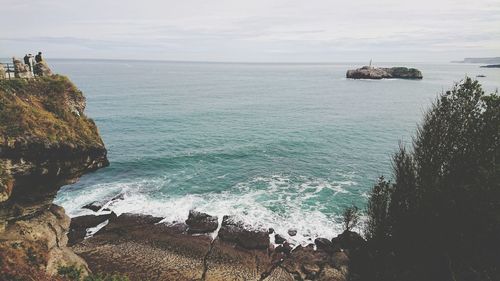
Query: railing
(9, 70)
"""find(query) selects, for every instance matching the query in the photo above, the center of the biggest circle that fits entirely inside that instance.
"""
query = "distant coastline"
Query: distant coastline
(491, 66)
(492, 60)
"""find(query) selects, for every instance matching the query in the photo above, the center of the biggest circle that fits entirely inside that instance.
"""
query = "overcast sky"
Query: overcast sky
(252, 30)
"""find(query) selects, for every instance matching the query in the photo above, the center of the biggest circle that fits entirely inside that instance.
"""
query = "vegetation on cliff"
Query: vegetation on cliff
(46, 141)
(440, 219)
(48, 110)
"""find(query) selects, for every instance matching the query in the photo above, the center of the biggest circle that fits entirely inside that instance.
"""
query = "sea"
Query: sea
(282, 146)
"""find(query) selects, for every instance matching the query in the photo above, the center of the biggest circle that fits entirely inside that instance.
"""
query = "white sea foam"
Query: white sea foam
(255, 206)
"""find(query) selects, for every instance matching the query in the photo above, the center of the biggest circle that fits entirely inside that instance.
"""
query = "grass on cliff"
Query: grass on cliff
(73, 273)
(45, 109)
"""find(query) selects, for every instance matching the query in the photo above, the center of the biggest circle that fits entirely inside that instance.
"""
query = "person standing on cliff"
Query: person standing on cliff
(27, 61)
(31, 62)
(38, 58)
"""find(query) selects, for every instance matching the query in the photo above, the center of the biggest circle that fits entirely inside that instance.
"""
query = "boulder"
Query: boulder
(42, 69)
(285, 248)
(292, 232)
(307, 264)
(201, 223)
(236, 232)
(326, 245)
(79, 225)
(21, 70)
(370, 72)
(278, 239)
(349, 240)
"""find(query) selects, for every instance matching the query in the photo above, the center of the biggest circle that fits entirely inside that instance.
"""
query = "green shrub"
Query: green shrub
(71, 272)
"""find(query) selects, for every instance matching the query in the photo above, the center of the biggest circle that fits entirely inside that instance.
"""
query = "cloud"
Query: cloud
(257, 30)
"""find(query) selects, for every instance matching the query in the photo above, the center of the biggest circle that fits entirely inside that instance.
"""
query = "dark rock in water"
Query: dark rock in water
(79, 225)
(235, 231)
(94, 206)
(349, 240)
(97, 205)
(369, 72)
(292, 232)
(117, 197)
(278, 239)
(271, 230)
(201, 223)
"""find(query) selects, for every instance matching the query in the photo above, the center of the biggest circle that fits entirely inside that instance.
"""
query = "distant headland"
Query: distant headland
(494, 60)
(491, 66)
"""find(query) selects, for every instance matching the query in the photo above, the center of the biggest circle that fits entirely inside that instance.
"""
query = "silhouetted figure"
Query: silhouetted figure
(26, 59)
(32, 60)
(38, 58)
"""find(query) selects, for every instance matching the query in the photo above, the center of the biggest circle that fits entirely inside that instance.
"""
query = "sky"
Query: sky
(252, 30)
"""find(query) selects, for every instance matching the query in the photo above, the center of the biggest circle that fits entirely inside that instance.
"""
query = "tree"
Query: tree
(350, 217)
(377, 225)
(440, 219)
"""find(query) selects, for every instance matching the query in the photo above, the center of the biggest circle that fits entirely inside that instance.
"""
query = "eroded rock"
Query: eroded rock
(236, 232)
(42, 69)
(201, 223)
(42, 239)
(21, 70)
(79, 225)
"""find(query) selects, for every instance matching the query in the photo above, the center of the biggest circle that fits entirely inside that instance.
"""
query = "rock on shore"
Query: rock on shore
(370, 72)
(143, 248)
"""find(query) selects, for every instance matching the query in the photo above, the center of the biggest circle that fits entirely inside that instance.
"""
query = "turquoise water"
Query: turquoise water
(279, 145)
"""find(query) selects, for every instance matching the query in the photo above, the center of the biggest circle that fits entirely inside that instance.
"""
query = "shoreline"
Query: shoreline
(306, 233)
(142, 248)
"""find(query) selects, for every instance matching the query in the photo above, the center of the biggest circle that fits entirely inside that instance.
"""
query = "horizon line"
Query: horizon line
(240, 62)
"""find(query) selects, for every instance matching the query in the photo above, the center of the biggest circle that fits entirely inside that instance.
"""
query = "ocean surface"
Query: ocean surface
(277, 145)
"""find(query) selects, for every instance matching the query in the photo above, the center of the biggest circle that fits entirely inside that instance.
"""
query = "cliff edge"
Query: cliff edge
(46, 141)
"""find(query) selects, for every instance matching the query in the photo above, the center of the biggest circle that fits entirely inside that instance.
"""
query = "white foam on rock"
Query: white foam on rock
(254, 206)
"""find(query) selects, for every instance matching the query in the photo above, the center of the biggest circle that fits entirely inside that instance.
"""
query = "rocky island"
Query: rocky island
(370, 72)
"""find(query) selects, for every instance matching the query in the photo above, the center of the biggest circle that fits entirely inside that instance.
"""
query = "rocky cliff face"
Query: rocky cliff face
(46, 142)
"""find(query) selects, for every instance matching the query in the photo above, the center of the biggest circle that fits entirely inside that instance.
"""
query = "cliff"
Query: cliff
(370, 72)
(46, 141)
